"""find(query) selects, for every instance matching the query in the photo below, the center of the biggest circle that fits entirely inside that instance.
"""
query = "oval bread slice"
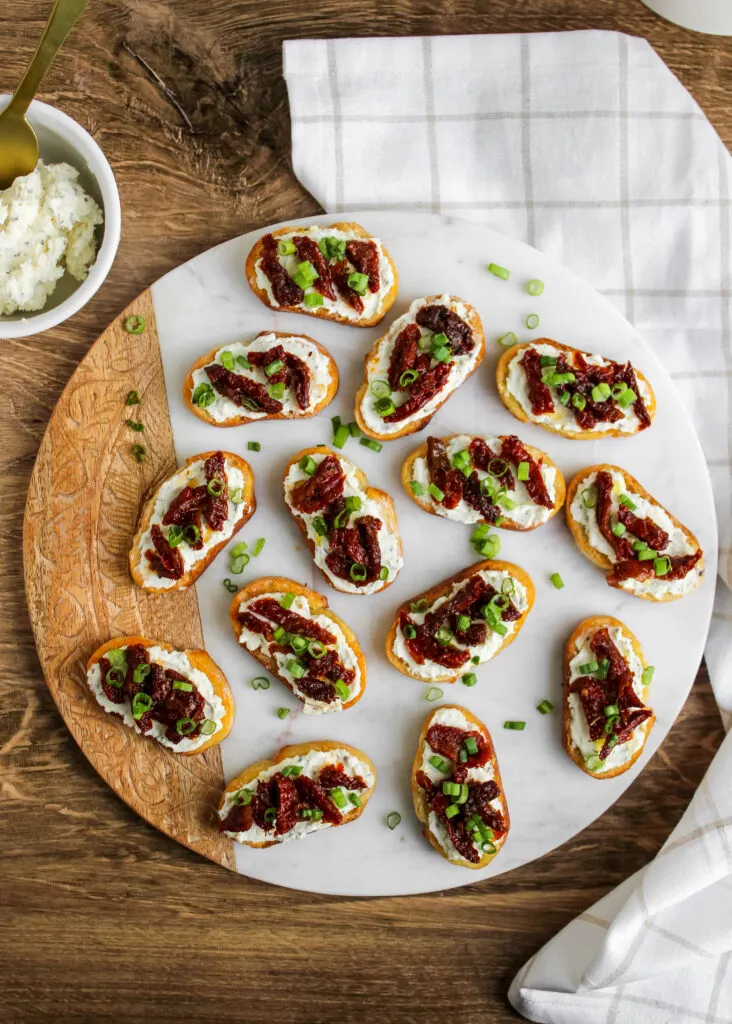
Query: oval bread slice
(421, 806)
(571, 649)
(515, 407)
(197, 659)
(318, 606)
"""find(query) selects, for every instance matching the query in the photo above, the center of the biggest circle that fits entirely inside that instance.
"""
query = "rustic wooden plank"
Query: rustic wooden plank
(104, 918)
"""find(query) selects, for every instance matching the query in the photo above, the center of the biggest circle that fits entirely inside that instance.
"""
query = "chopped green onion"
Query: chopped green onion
(589, 497)
(138, 452)
(203, 396)
(358, 282)
(292, 770)
(385, 407)
(115, 677)
(544, 707)
(340, 435)
(589, 667)
(341, 689)
(285, 247)
(535, 286)
(611, 711)
(280, 633)
(271, 814)
(338, 797)
(523, 471)
(662, 566)
(215, 487)
(436, 493)
(409, 631)
(470, 679)
(451, 810)
(532, 321)
(417, 488)
(480, 532)
(332, 248)
(440, 763)
(548, 361)
(451, 788)
(239, 549)
(135, 324)
(443, 636)
(380, 388)
(181, 684)
(628, 502)
(419, 606)
(353, 429)
(305, 275)
(309, 813)
(296, 669)
(601, 392)
(298, 643)
(277, 391)
(579, 401)
(383, 573)
(358, 572)
(618, 529)
(593, 763)
(274, 367)
(355, 799)
(564, 397)
(283, 712)
(175, 536)
(489, 547)
(442, 354)
(507, 340)
(236, 496)
(243, 363)
(341, 519)
(208, 727)
(627, 398)
(408, 377)
(260, 683)
(434, 693)
(471, 746)
(375, 446)
(497, 467)
(243, 797)
(619, 389)
(463, 756)
(258, 546)
(463, 623)
(308, 465)
(140, 673)
(287, 600)
(517, 726)
(312, 299)
(227, 359)
(603, 668)
(133, 425)
(231, 587)
(393, 819)
(647, 675)
(639, 545)
(184, 726)
(646, 554)
(133, 398)
(501, 272)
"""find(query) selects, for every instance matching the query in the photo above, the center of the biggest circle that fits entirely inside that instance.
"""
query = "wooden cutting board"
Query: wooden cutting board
(82, 509)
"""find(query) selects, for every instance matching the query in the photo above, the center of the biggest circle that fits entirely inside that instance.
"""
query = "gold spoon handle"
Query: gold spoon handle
(63, 17)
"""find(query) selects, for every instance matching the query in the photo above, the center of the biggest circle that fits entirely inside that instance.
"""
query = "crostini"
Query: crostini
(574, 393)
(336, 272)
(619, 526)
(290, 630)
(421, 360)
(304, 788)
(457, 790)
(463, 621)
(275, 376)
(605, 721)
(179, 698)
(189, 518)
(350, 528)
(486, 479)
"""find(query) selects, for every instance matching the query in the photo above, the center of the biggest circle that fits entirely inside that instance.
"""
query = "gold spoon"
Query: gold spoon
(18, 142)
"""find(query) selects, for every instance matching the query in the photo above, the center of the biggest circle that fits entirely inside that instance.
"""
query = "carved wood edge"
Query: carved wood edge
(81, 513)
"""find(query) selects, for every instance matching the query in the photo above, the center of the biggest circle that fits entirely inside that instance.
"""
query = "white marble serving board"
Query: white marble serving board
(207, 303)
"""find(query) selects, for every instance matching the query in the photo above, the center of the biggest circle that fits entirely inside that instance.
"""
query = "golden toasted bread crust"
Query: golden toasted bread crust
(322, 312)
(580, 535)
(318, 605)
(248, 506)
(444, 587)
(507, 524)
(244, 418)
(411, 426)
(198, 659)
(298, 750)
(517, 410)
(382, 499)
(572, 646)
(421, 806)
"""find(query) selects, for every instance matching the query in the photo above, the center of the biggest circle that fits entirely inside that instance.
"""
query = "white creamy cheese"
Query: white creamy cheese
(622, 753)
(431, 670)
(378, 369)
(311, 764)
(47, 224)
(190, 476)
(256, 642)
(678, 543)
(372, 301)
(562, 417)
(177, 661)
(455, 718)
(223, 408)
(525, 514)
(388, 541)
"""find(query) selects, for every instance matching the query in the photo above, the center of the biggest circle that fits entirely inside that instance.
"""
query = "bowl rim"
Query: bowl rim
(43, 114)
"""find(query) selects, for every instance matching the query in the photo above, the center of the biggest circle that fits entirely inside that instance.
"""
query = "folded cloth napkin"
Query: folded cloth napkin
(585, 145)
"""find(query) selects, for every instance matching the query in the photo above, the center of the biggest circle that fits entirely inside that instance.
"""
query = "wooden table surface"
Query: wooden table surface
(103, 919)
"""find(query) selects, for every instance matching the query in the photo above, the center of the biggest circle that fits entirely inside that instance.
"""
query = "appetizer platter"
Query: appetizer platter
(330, 583)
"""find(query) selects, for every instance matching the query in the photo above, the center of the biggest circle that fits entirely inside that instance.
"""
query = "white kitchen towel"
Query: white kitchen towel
(585, 145)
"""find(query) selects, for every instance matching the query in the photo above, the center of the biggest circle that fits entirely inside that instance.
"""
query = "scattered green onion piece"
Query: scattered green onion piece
(305, 275)
(471, 746)
(332, 248)
(310, 814)
(254, 446)
(231, 587)
(480, 532)
(243, 797)
(236, 496)
(279, 634)
(320, 526)
(383, 573)
(564, 397)
(589, 497)
(408, 377)
(341, 435)
(547, 361)
(440, 763)
(662, 566)
(203, 396)
(628, 502)
(341, 518)
(544, 707)
(385, 407)
(417, 488)
(296, 669)
(619, 389)
(140, 673)
(375, 446)
(443, 636)
(175, 536)
(135, 324)
(463, 623)
(593, 763)
(341, 689)
(380, 388)
(316, 649)
(646, 554)
(208, 727)
(355, 799)
(611, 711)
(184, 726)
(227, 360)
(138, 452)
(258, 546)
(215, 487)
(603, 668)
(308, 465)
(292, 770)
(463, 756)
(451, 789)
(115, 677)
(244, 363)
(627, 398)
(516, 726)
(409, 631)
(579, 401)
(283, 712)
(274, 367)
(497, 467)
(601, 392)
(393, 819)
(298, 643)
(181, 684)
(277, 391)
(312, 300)
(353, 429)
(419, 606)
(285, 247)
(271, 814)
(434, 693)
(338, 797)
(358, 282)
(489, 547)
(618, 529)
(508, 586)
(260, 683)
(508, 339)
(523, 471)
(647, 675)
(133, 425)
(239, 549)
(442, 354)
(451, 810)
(133, 398)
(589, 667)
(358, 572)
(499, 271)
(286, 601)
(535, 286)
(532, 321)
(470, 679)
(436, 493)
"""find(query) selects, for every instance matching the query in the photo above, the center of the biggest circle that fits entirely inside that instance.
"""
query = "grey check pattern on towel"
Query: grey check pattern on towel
(585, 145)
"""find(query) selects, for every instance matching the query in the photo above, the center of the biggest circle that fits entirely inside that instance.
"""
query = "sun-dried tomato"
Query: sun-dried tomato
(483, 457)
(448, 740)
(317, 689)
(340, 273)
(309, 252)
(164, 561)
(478, 500)
(319, 490)
(312, 795)
(681, 566)
(540, 396)
(442, 474)
(242, 390)
(216, 506)
(286, 801)
(270, 609)
(442, 320)
(239, 819)
(644, 529)
(284, 289)
(421, 392)
(604, 488)
(299, 374)
(357, 544)
(365, 258)
(404, 355)
(515, 451)
(334, 776)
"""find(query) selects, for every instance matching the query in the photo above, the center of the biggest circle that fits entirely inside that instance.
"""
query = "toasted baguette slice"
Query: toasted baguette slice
(562, 421)
(654, 588)
(354, 762)
(199, 661)
(373, 502)
(311, 605)
(376, 367)
(627, 752)
(396, 648)
(375, 309)
(317, 358)
(155, 507)
(457, 717)
(526, 515)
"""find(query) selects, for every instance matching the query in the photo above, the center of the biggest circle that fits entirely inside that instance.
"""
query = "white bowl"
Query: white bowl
(61, 139)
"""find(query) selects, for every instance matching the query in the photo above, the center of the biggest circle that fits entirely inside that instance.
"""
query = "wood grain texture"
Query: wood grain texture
(83, 506)
(105, 919)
